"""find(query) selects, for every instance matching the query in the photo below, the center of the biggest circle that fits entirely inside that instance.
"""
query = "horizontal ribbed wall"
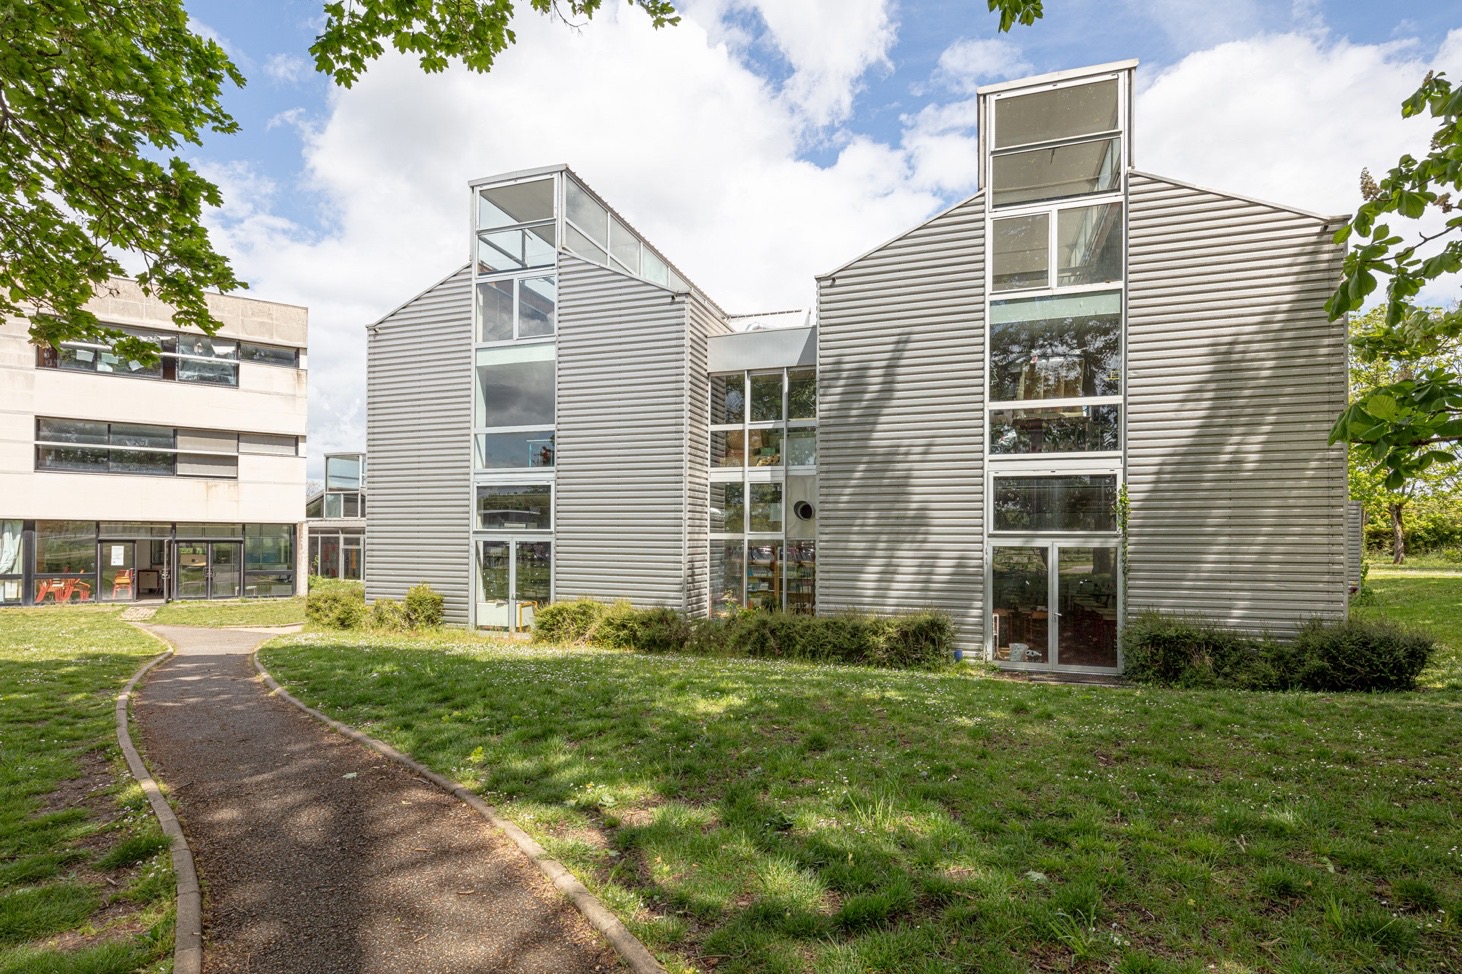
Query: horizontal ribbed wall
(619, 521)
(418, 426)
(900, 425)
(1234, 379)
(703, 321)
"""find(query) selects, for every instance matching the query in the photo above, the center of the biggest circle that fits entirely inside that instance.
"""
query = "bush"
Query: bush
(1360, 654)
(336, 604)
(919, 639)
(1353, 654)
(389, 615)
(425, 607)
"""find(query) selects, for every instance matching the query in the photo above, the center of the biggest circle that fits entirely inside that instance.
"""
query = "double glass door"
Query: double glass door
(1053, 605)
(514, 578)
(208, 569)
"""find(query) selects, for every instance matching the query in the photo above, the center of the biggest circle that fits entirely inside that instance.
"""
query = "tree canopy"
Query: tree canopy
(96, 99)
(1410, 424)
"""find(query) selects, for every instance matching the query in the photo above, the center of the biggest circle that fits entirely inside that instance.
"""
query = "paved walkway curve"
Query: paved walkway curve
(319, 855)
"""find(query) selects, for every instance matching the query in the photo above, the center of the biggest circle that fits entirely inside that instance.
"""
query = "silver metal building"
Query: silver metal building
(1084, 391)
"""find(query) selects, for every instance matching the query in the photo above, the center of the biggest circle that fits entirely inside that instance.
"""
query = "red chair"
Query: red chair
(122, 583)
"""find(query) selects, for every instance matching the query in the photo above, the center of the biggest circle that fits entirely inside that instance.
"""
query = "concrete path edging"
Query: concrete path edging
(188, 920)
(626, 944)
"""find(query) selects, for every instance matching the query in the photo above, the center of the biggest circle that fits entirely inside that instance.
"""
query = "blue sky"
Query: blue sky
(763, 141)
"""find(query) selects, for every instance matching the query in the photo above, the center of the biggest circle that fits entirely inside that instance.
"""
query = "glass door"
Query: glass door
(1054, 605)
(515, 578)
(208, 569)
(119, 571)
(225, 565)
(191, 571)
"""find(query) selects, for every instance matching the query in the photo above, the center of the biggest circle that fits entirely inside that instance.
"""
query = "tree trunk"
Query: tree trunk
(1398, 536)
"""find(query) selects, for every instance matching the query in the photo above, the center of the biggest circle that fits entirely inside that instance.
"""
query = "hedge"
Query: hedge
(920, 639)
(338, 604)
(1327, 656)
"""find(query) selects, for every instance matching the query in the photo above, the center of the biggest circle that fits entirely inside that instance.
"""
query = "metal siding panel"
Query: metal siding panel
(704, 321)
(1234, 377)
(901, 349)
(418, 423)
(619, 522)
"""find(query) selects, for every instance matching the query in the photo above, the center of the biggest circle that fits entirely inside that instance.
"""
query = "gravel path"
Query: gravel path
(319, 855)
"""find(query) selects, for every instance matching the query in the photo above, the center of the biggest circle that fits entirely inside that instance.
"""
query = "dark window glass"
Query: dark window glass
(1075, 429)
(728, 576)
(516, 393)
(516, 507)
(143, 461)
(269, 547)
(1068, 503)
(142, 436)
(1048, 174)
(766, 507)
(766, 398)
(315, 506)
(1056, 348)
(66, 546)
(728, 448)
(277, 585)
(270, 354)
(802, 394)
(71, 431)
(513, 451)
(82, 459)
(1059, 113)
(728, 399)
(728, 508)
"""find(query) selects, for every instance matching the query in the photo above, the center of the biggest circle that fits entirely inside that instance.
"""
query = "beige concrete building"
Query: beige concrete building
(184, 479)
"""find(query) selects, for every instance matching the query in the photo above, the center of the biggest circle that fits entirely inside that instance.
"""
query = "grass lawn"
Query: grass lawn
(1430, 597)
(241, 612)
(86, 884)
(750, 816)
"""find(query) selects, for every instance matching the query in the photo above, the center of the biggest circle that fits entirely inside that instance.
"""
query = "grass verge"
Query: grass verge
(748, 816)
(1426, 597)
(86, 883)
(244, 612)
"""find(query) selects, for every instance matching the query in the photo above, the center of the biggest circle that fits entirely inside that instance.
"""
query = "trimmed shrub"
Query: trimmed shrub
(425, 607)
(567, 622)
(1360, 654)
(1184, 651)
(389, 615)
(336, 604)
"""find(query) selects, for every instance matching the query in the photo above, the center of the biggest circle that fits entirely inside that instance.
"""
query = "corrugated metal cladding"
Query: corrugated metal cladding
(418, 421)
(901, 347)
(1355, 543)
(703, 321)
(1234, 379)
(619, 521)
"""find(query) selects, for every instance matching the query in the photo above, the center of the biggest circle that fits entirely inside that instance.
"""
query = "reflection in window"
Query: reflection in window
(517, 450)
(766, 398)
(801, 446)
(1054, 173)
(515, 386)
(728, 448)
(515, 507)
(1021, 256)
(513, 250)
(343, 472)
(66, 547)
(728, 508)
(728, 398)
(1059, 113)
(728, 575)
(764, 575)
(1086, 502)
(1066, 429)
(1056, 347)
(1089, 245)
(764, 448)
(802, 394)
(765, 508)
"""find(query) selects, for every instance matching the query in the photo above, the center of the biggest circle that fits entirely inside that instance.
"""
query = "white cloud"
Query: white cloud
(288, 69)
(968, 61)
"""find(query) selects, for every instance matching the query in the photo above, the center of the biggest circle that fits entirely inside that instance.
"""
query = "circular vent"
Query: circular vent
(803, 510)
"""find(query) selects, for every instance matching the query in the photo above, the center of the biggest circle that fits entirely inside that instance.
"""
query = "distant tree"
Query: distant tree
(97, 98)
(1405, 426)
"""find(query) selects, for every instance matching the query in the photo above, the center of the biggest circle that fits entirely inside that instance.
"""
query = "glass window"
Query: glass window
(315, 506)
(135, 529)
(270, 586)
(71, 431)
(143, 462)
(764, 576)
(1060, 113)
(342, 472)
(765, 508)
(766, 398)
(351, 557)
(503, 206)
(507, 451)
(728, 508)
(537, 299)
(334, 505)
(66, 546)
(653, 269)
(802, 394)
(576, 242)
(351, 504)
(1019, 611)
(532, 575)
(129, 435)
(1056, 347)
(801, 446)
(1065, 429)
(801, 571)
(81, 459)
(495, 311)
(515, 507)
(1022, 252)
(511, 250)
(268, 547)
(728, 399)
(624, 246)
(1089, 244)
(728, 575)
(269, 354)
(515, 386)
(728, 448)
(588, 213)
(764, 448)
(1086, 502)
(199, 529)
(10, 538)
(1054, 173)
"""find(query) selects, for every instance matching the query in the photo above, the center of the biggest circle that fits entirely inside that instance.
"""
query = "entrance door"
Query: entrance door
(208, 569)
(514, 578)
(1054, 605)
(119, 571)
